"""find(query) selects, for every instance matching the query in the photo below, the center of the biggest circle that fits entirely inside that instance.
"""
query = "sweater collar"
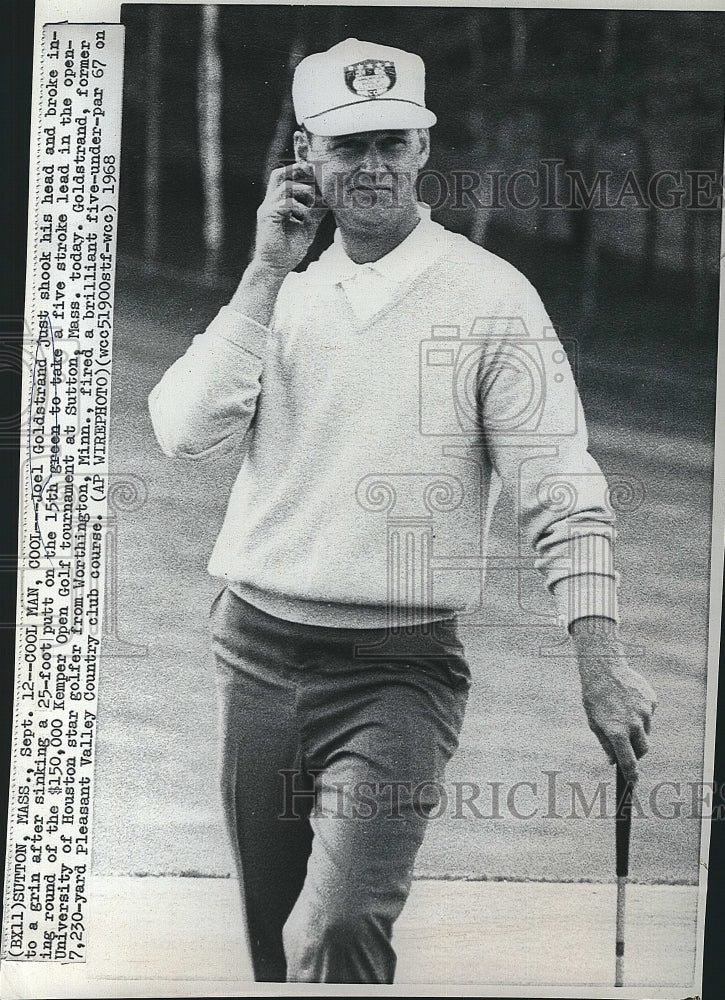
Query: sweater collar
(404, 262)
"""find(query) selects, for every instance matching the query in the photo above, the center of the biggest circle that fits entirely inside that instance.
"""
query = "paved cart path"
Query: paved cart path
(176, 936)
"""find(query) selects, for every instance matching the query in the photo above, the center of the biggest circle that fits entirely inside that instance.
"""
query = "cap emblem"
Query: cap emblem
(370, 78)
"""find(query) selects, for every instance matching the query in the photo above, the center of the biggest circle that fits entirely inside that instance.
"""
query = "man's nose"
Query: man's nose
(372, 160)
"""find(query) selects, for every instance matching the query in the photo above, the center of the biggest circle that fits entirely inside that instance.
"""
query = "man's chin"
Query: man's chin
(377, 212)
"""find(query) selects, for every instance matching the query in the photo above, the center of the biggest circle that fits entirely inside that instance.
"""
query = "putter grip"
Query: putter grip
(623, 821)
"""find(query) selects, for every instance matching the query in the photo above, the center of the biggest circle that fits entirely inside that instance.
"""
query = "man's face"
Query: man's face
(367, 178)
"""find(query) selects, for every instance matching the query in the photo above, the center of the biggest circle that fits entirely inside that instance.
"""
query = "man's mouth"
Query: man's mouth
(369, 188)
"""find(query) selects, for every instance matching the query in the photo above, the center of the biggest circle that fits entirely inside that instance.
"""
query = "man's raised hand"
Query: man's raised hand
(288, 218)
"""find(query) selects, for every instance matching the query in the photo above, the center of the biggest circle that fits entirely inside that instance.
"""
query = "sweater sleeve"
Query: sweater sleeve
(534, 428)
(208, 397)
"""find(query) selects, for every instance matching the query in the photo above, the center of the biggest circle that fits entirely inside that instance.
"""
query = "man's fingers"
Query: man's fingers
(619, 704)
(287, 199)
(625, 754)
(277, 177)
(647, 712)
(302, 171)
(291, 210)
(639, 741)
(300, 192)
(298, 171)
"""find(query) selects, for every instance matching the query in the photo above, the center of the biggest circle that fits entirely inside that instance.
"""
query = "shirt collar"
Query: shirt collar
(405, 261)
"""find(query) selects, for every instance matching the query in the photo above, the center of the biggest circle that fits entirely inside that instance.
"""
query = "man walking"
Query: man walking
(379, 401)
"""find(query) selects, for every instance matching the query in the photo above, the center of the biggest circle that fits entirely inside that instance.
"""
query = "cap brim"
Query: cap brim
(371, 116)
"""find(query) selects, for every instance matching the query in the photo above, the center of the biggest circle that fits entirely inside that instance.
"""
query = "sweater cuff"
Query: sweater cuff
(586, 595)
(240, 330)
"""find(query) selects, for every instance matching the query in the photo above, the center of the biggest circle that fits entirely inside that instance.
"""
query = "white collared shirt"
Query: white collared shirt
(333, 427)
(369, 287)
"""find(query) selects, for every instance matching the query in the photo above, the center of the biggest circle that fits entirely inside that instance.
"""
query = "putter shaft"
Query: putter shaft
(619, 946)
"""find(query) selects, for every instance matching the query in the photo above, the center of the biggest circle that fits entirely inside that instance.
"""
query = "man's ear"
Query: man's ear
(302, 145)
(424, 137)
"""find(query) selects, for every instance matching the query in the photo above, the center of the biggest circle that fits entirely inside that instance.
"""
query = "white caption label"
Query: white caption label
(64, 480)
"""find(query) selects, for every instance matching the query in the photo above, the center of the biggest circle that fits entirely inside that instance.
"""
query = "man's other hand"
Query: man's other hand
(618, 701)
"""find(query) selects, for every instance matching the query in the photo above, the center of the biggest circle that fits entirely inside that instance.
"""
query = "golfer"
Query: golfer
(378, 401)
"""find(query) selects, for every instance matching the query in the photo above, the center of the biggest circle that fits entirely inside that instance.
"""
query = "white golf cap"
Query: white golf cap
(360, 87)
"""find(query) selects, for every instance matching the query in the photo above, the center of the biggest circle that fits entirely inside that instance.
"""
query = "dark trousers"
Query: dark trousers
(330, 764)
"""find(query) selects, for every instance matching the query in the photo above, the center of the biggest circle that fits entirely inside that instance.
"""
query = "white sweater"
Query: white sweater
(375, 441)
